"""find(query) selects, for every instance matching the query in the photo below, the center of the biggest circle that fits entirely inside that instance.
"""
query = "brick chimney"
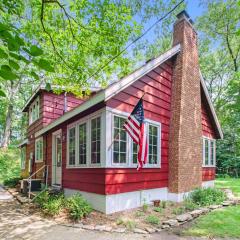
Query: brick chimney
(185, 144)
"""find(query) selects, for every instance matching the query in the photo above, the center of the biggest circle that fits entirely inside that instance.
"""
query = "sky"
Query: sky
(193, 9)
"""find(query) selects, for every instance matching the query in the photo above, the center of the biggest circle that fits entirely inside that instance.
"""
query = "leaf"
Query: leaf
(35, 75)
(35, 51)
(3, 27)
(45, 65)
(2, 93)
(19, 40)
(48, 87)
(14, 64)
(3, 54)
(8, 75)
(14, 55)
(12, 45)
(6, 68)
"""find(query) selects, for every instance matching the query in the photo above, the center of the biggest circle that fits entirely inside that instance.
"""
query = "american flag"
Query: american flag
(135, 127)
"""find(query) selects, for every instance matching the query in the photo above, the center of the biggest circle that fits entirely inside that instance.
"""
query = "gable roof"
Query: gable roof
(117, 87)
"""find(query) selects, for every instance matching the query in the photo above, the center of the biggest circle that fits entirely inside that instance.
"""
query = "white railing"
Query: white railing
(29, 180)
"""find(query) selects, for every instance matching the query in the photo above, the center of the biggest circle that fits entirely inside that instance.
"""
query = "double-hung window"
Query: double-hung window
(96, 140)
(72, 146)
(153, 144)
(82, 143)
(119, 141)
(34, 111)
(39, 150)
(209, 152)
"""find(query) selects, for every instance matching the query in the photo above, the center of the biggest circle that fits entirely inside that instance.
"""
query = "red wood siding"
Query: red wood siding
(208, 173)
(157, 85)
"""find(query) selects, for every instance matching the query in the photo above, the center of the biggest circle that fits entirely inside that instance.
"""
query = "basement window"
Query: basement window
(209, 152)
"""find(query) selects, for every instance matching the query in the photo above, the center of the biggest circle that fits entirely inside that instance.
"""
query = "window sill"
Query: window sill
(38, 161)
(208, 166)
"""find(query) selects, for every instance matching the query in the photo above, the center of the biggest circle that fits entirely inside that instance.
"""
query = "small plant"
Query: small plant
(158, 209)
(11, 182)
(152, 219)
(53, 206)
(189, 205)
(163, 204)
(130, 225)
(78, 207)
(119, 221)
(139, 214)
(145, 206)
(178, 210)
(207, 196)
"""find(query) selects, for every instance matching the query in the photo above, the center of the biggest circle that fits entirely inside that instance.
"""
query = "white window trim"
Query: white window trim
(30, 112)
(129, 164)
(209, 140)
(36, 141)
(87, 119)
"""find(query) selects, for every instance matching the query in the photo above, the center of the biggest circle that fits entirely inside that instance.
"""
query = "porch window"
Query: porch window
(72, 145)
(83, 143)
(39, 150)
(209, 152)
(120, 141)
(23, 158)
(95, 140)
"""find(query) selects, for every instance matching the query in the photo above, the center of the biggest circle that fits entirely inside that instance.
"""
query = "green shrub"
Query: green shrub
(53, 206)
(11, 182)
(119, 221)
(189, 204)
(158, 209)
(78, 207)
(178, 210)
(152, 219)
(139, 214)
(207, 196)
(130, 225)
(163, 204)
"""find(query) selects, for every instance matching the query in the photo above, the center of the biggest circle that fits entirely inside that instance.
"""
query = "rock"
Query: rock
(214, 207)
(78, 225)
(140, 231)
(119, 230)
(184, 217)
(196, 213)
(226, 203)
(171, 222)
(88, 227)
(158, 229)
(150, 230)
(204, 210)
(103, 228)
(165, 226)
(22, 199)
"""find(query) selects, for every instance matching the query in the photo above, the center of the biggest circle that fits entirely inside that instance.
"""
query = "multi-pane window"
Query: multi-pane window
(120, 141)
(23, 157)
(39, 150)
(134, 153)
(152, 144)
(34, 111)
(72, 145)
(83, 143)
(95, 140)
(208, 152)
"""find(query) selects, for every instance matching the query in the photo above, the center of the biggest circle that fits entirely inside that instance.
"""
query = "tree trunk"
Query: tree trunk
(7, 130)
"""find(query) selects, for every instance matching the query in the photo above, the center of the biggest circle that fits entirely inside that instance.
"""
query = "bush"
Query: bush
(158, 209)
(189, 205)
(178, 210)
(11, 182)
(130, 225)
(152, 219)
(207, 196)
(78, 207)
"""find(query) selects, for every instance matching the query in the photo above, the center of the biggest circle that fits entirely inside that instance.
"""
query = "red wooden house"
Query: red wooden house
(75, 137)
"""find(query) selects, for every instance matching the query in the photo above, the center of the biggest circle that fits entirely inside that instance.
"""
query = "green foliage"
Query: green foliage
(11, 182)
(189, 205)
(207, 196)
(9, 166)
(145, 207)
(130, 225)
(140, 214)
(119, 221)
(163, 204)
(78, 207)
(222, 223)
(232, 183)
(152, 219)
(158, 209)
(178, 210)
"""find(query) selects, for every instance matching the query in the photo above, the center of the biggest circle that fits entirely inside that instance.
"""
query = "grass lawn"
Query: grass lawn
(220, 223)
(232, 183)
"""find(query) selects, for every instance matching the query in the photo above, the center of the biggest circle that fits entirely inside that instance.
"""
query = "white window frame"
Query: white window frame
(129, 164)
(36, 142)
(87, 120)
(34, 111)
(209, 140)
(23, 157)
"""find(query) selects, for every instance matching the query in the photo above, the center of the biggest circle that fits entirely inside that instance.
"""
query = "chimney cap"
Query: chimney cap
(184, 14)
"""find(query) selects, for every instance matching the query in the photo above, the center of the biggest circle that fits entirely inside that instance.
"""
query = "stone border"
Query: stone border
(170, 223)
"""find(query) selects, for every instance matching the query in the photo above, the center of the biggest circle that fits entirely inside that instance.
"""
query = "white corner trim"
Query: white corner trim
(211, 106)
(24, 142)
(207, 184)
(122, 201)
(113, 89)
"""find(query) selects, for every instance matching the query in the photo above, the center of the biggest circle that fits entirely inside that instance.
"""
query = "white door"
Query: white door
(57, 160)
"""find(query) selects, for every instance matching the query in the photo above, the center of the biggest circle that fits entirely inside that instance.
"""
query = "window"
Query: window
(39, 150)
(119, 141)
(134, 153)
(152, 144)
(72, 146)
(83, 143)
(23, 157)
(95, 140)
(34, 111)
(209, 154)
